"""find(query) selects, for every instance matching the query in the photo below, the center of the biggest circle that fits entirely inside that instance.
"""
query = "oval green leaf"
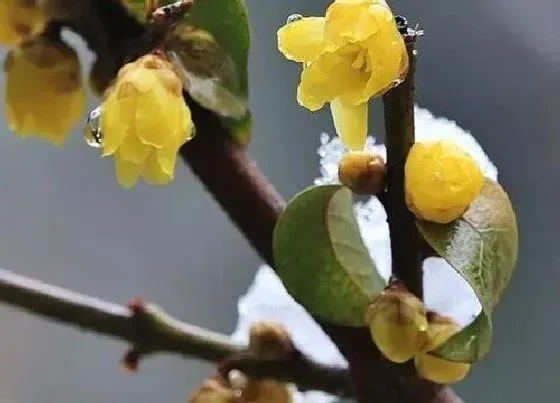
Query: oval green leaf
(321, 258)
(482, 247)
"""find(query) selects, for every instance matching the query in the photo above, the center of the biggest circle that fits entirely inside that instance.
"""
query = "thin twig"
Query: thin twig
(399, 127)
(150, 330)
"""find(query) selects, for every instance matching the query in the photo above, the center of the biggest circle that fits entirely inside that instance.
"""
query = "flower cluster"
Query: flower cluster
(145, 120)
(352, 54)
(142, 121)
(43, 92)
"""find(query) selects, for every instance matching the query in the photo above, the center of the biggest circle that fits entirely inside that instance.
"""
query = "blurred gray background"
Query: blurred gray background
(491, 66)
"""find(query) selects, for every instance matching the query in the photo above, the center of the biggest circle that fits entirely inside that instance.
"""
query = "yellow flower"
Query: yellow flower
(44, 94)
(436, 369)
(19, 20)
(145, 120)
(352, 54)
(398, 325)
(441, 181)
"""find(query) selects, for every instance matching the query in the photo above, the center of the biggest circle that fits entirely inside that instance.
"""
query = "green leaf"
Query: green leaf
(321, 258)
(482, 247)
(228, 22)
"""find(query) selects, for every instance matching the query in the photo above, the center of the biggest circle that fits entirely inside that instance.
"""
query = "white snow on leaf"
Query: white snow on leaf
(445, 291)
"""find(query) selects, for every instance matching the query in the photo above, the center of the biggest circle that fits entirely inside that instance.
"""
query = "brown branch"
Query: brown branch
(399, 128)
(150, 330)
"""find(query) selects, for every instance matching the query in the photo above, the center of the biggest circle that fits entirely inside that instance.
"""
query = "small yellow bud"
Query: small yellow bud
(43, 93)
(145, 120)
(214, 390)
(441, 181)
(398, 324)
(266, 391)
(362, 171)
(270, 340)
(433, 368)
(19, 21)
(243, 390)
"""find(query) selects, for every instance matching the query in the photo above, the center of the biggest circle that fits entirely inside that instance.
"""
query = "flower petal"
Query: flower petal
(301, 40)
(127, 173)
(321, 80)
(116, 122)
(166, 158)
(353, 21)
(153, 173)
(133, 150)
(351, 123)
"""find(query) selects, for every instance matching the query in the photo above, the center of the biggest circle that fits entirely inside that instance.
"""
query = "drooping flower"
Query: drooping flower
(43, 92)
(19, 20)
(441, 181)
(351, 55)
(145, 121)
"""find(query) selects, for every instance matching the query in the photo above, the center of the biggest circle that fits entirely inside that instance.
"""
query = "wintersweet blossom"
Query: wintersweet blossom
(19, 20)
(353, 53)
(43, 93)
(445, 291)
(144, 121)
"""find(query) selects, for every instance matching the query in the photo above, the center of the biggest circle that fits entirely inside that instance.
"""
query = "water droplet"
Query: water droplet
(294, 17)
(92, 132)
(396, 83)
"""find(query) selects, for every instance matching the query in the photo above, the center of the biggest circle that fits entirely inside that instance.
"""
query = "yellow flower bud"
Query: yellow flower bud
(441, 181)
(43, 92)
(145, 120)
(242, 390)
(19, 20)
(433, 368)
(270, 340)
(214, 390)
(266, 391)
(362, 171)
(398, 324)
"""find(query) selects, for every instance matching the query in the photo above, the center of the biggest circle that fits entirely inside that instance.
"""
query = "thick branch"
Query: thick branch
(399, 128)
(150, 330)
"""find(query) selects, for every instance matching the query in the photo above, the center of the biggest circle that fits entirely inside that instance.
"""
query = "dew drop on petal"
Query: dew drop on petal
(293, 18)
(92, 132)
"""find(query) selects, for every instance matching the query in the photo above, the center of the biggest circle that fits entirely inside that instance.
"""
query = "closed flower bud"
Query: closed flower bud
(362, 171)
(43, 92)
(269, 340)
(266, 391)
(441, 181)
(145, 120)
(433, 368)
(398, 324)
(243, 390)
(214, 390)
(19, 21)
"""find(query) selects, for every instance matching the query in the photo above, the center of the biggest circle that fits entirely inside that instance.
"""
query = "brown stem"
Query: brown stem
(398, 106)
(150, 330)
